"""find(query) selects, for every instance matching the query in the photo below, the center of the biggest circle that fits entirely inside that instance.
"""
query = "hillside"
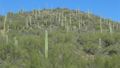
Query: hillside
(58, 38)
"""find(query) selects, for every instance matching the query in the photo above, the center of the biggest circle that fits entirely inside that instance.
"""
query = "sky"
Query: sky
(104, 8)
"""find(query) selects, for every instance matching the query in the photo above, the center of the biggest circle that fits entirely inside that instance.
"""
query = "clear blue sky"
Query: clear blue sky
(104, 8)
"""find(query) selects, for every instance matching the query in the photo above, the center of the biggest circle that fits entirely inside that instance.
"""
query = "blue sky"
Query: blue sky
(105, 8)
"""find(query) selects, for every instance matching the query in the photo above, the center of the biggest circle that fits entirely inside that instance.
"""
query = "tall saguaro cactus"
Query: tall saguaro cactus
(66, 24)
(79, 26)
(62, 21)
(77, 11)
(110, 27)
(101, 30)
(46, 44)
(4, 28)
(70, 19)
(59, 18)
(88, 13)
(4, 31)
(30, 20)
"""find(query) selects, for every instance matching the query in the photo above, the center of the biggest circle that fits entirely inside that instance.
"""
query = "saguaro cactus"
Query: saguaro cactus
(59, 17)
(76, 12)
(46, 44)
(79, 26)
(101, 30)
(4, 28)
(62, 21)
(4, 31)
(101, 25)
(88, 13)
(30, 20)
(66, 24)
(70, 19)
(110, 27)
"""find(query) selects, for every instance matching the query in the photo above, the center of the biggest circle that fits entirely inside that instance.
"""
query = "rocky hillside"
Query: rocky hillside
(58, 38)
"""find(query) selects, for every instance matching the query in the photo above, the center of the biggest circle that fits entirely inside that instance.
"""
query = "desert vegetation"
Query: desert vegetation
(58, 38)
